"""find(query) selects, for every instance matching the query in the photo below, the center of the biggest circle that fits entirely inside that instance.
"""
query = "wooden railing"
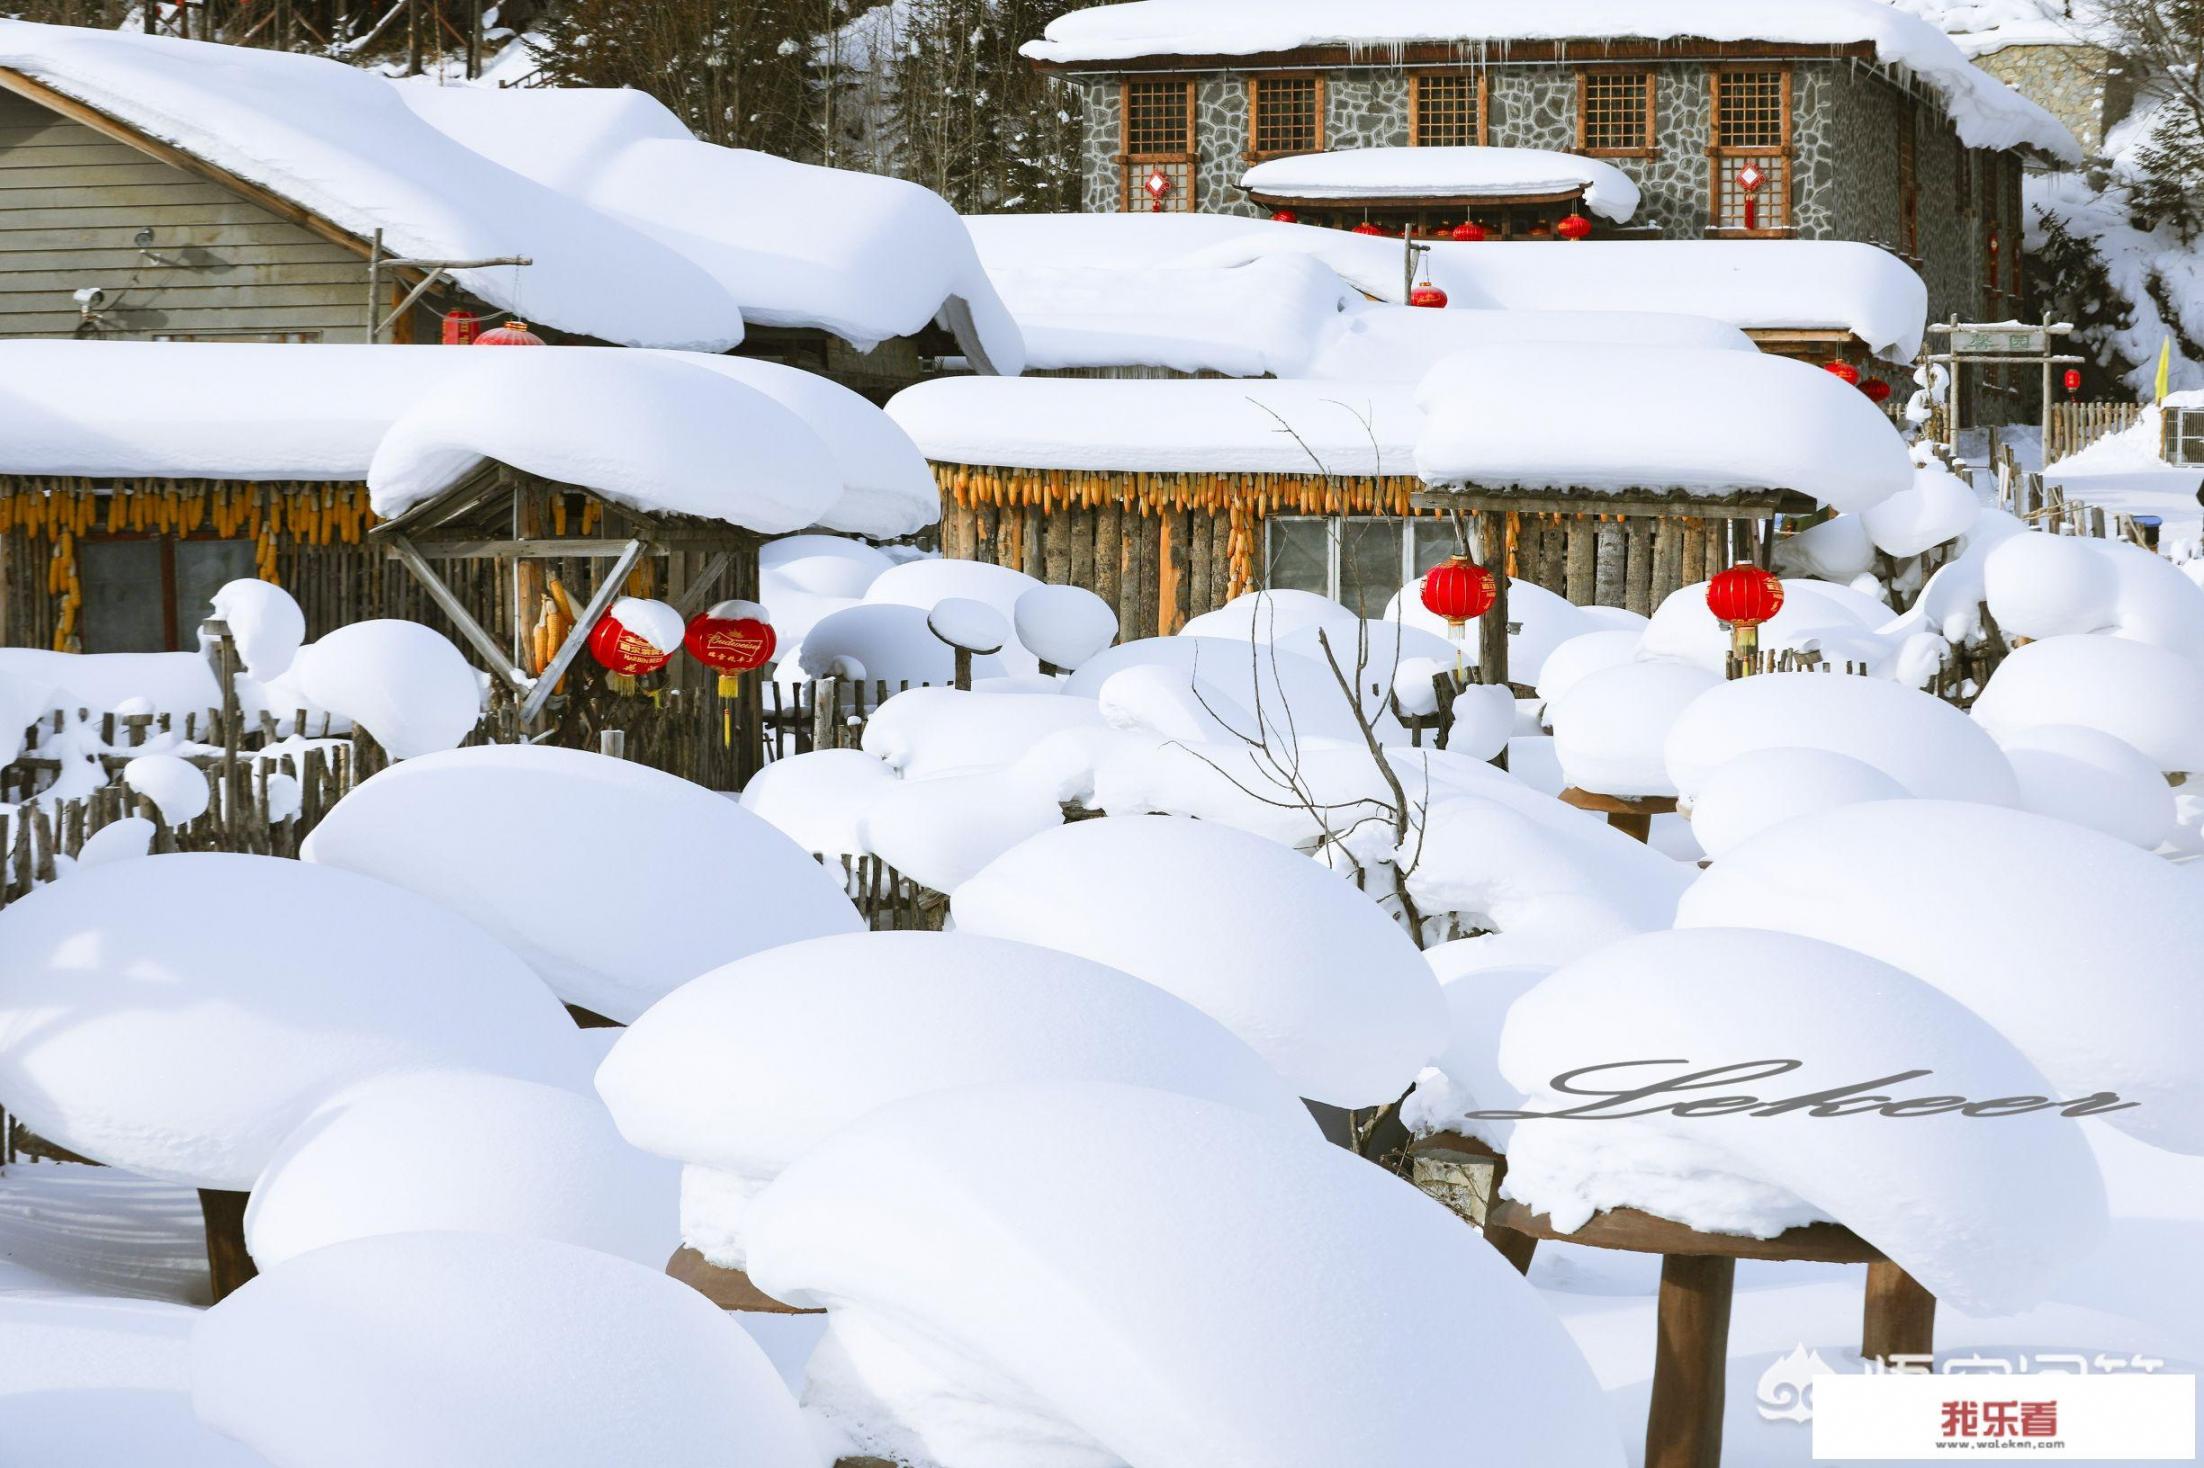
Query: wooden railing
(2075, 426)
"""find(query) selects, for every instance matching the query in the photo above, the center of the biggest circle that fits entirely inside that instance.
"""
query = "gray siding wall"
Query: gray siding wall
(71, 205)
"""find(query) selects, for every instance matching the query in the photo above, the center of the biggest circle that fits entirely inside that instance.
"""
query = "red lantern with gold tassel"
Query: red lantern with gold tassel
(1575, 227)
(732, 638)
(1741, 598)
(624, 653)
(1458, 591)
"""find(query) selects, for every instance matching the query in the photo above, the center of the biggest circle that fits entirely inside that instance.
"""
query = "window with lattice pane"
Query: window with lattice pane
(1616, 111)
(1449, 111)
(1286, 115)
(1751, 149)
(1159, 146)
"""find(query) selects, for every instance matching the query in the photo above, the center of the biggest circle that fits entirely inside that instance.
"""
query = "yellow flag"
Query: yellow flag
(2165, 369)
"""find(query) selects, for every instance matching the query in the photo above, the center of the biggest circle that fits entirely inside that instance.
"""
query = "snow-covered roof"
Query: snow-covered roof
(1284, 427)
(793, 244)
(639, 234)
(1979, 27)
(1672, 418)
(1798, 285)
(1987, 112)
(753, 443)
(1387, 343)
(1446, 173)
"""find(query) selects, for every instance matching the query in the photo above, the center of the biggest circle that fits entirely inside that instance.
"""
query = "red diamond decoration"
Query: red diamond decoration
(1750, 177)
(1158, 184)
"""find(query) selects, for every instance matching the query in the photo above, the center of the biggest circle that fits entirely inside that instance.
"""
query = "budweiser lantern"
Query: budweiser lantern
(623, 654)
(1877, 390)
(1458, 590)
(1469, 232)
(2073, 381)
(732, 639)
(1843, 372)
(1741, 598)
(460, 328)
(511, 334)
(1575, 227)
(1426, 294)
(1285, 216)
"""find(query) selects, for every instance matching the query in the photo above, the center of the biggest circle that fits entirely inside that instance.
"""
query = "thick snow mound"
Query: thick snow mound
(1266, 690)
(402, 682)
(176, 786)
(1287, 956)
(1787, 425)
(1583, 655)
(1813, 612)
(824, 565)
(924, 583)
(690, 441)
(1269, 614)
(925, 733)
(1986, 1211)
(968, 625)
(2044, 586)
(1064, 625)
(1760, 788)
(1936, 507)
(179, 1016)
(2145, 696)
(1930, 748)
(1115, 1297)
(2093, 779)
(745, 1069)
(1465, 1077)
(882, 643)
(1955, 893)
(1382, 342)
(266, 623)
(676, 879)
(1454, 173)
(504, 1353)
(1610, 728)
(941, 832)
(818, 800)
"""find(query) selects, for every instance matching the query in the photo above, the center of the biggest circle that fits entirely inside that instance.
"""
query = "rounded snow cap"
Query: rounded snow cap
(1064, 625)
(179, 1015)
(2146, 696)
(1289, 957)
(487, 1350)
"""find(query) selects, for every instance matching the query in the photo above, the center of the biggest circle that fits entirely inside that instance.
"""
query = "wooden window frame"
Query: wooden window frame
(1483, 80)
(1133, 167)
(1651, 146)
(1909, 182)
(1723, 158)
(1255, 115)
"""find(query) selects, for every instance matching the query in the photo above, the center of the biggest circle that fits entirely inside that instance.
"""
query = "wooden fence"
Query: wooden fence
(2075, 426)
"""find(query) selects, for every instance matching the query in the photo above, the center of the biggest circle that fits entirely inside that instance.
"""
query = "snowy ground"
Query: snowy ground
(99, 1272)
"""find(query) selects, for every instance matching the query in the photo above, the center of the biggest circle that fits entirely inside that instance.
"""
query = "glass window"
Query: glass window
(1435, 541)
(1618, 111)
(1370, 564)
(124, 607)
(1448, 110)
(1752, 143)
(1159, 146)
(1300, 554)
(1288, 116)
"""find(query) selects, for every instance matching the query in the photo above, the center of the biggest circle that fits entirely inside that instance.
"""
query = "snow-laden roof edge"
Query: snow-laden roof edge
(1987, 113)
(1476, 172)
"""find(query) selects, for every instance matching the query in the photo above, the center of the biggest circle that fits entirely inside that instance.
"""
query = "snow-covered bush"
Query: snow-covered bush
(2145, 696)
(1745, 795)
(1611, 726)
(402, 682)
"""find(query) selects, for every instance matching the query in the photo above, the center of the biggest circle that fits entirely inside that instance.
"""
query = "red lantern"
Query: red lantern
(1285, 216)
(1750, 178)
(1843, 372)
(511, 334)
(732, 638)
(1575, 227)
(621, 652)
(1158, 184)
(2073, 381)
(1877, 390)
(1366, 227)
(1741, 598)
(460, 328)
(1458, 590)
(1469, 232)
(1426, 294)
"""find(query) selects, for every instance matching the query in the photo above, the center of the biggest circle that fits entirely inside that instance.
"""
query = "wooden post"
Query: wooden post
(1683, 1426)
(229, 1264)
(964, 668)
(1607, 572)
(1492, 629)
(413, 37)
(1900, 1317)
(613, 743)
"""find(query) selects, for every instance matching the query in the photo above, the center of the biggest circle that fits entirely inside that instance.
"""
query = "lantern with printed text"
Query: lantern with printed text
(1749, 179)
(1458, 591)
(1285, 216)
(1575, 227)
(1741, 598)
(1469, 232)
(1843, 372)
(623, 654)
(511, 334)
(731, 638)
(1426, 294)
(460, 328)
(1158, 184)
(1877, 390)
(2073, 381)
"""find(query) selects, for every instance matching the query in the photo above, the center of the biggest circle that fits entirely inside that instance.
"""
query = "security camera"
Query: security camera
(143, 237)
(90, 298)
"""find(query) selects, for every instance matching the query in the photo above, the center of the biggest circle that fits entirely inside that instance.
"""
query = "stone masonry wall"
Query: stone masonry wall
(2066, 81)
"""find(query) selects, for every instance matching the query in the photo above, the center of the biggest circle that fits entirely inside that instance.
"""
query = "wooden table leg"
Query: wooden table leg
(1514, 1245)
(1683, 1427)
(229, 1265)
(1638, 828)
(1900, 1319)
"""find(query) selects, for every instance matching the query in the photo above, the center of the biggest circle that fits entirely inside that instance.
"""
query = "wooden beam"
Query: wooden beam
(402, 551)
(699, 591)
(1755, 507)
(1448, 55)
(547, 549)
